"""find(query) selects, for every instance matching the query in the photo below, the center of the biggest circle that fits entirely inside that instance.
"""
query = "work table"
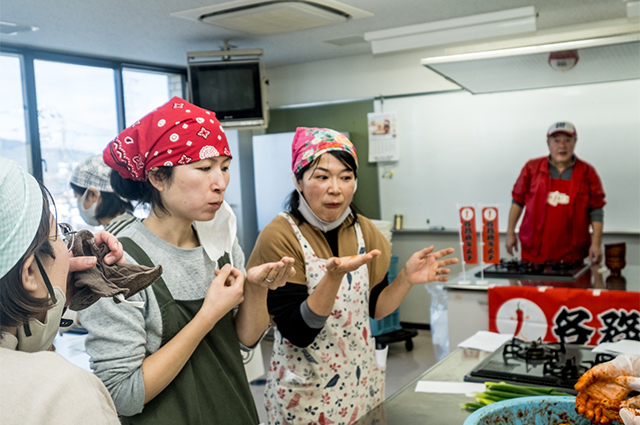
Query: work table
(408, 407)
(467, 297)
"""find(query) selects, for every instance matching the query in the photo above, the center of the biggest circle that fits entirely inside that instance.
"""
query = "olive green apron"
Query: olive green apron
(212, 387)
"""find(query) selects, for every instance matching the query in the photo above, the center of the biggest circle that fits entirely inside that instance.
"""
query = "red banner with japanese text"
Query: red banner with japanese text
(468, 235)
(575, 316)
(490, 236)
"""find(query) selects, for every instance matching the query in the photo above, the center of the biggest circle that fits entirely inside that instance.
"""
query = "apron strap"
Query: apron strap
(159, 286)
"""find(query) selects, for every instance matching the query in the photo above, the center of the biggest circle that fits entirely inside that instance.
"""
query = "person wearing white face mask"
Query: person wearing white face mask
(97, 202)
(38, 386)
(323, 367)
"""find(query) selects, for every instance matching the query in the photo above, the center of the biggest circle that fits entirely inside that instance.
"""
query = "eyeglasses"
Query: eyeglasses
(67, 234)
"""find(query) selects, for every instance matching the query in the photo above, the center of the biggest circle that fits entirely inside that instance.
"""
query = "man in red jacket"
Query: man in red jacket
(562, 197)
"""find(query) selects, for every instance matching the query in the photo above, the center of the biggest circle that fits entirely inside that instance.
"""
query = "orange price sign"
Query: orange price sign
(468, 235)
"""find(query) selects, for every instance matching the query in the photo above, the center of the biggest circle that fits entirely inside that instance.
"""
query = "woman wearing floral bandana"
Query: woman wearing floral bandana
(175, 358)
(323, 368)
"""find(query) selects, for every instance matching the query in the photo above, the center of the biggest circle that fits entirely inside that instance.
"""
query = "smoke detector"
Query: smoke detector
(262, 17)
(563, 60)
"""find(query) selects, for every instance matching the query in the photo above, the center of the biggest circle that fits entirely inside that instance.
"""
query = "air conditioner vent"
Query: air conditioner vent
(274, 16)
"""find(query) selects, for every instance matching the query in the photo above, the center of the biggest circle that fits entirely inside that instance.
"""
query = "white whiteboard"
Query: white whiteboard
(469, 149)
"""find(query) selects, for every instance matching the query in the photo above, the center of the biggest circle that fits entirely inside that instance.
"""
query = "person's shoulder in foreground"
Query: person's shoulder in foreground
(44, 388)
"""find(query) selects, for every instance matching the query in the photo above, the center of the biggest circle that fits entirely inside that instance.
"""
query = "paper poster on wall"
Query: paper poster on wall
(383, 137)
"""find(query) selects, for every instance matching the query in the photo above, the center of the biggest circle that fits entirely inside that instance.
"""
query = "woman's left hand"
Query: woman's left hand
(425, 266)
(272, 275)
(114, 256)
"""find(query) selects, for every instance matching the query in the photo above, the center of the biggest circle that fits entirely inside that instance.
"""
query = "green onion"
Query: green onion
(470, 406)
(499, 391)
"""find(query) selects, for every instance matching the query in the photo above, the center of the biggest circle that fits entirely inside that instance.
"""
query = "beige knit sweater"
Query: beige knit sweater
(44, 388)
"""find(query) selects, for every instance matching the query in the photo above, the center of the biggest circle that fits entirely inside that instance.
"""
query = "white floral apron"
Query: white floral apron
(335, 380)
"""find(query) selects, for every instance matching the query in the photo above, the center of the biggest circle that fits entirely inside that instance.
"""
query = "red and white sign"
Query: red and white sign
(468, 235)
(577, 316)
(490, 236)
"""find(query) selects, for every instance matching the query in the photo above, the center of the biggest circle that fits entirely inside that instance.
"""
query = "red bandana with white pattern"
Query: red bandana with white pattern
(176, 133)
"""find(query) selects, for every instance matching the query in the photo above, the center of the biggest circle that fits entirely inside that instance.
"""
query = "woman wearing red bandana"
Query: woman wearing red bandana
(175, 357)
(323, 368)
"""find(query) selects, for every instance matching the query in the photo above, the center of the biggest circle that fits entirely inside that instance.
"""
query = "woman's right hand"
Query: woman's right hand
(224, 293)
(339, 266)
(511, 243)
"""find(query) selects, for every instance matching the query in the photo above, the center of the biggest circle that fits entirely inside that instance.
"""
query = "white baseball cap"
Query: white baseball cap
(562, 127)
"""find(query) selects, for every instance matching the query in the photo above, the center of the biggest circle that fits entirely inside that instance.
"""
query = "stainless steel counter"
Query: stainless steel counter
(591, 279)
(407, 407)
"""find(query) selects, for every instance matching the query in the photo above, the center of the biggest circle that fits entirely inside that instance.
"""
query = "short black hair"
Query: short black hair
(143, 191)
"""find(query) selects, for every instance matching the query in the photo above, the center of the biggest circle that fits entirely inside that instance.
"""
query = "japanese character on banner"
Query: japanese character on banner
(568, 315)
(490, 236)
(468, 236)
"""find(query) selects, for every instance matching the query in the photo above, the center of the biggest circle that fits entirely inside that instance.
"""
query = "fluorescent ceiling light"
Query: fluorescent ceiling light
(596, 60)
(529, 50)
(486, 25)
(633, 9)
(9, 28)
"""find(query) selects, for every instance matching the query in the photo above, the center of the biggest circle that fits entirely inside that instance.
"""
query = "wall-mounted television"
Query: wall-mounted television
(233, 89)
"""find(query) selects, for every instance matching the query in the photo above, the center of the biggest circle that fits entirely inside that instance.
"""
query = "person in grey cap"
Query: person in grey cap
(97, 202)
(37, 386)
(562, 197)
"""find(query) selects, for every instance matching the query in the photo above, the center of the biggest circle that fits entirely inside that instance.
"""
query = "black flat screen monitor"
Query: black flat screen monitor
(233, 90)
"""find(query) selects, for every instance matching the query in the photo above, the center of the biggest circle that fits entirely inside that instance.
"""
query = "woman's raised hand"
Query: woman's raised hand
(271, 275)
(224, 293)
(339, 266)
(425, 266)
(115, 255)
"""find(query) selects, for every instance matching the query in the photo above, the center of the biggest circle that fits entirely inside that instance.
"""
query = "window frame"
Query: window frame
(29, 55)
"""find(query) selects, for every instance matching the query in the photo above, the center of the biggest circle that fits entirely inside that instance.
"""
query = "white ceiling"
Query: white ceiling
(144, 30)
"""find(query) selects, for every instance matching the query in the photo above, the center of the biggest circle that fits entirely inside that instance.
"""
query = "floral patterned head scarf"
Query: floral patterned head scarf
(310, 143)
(176, 133)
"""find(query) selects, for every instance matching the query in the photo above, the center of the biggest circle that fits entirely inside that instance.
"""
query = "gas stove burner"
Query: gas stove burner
(563, 266)
(568, 370)
(532, 351)
(600, 358)
(538, 363)
(550, 271)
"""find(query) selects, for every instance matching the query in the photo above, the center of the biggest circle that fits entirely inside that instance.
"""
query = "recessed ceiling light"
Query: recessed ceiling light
(345, 41)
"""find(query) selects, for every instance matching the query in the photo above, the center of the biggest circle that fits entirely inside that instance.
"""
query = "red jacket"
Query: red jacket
(531, 190)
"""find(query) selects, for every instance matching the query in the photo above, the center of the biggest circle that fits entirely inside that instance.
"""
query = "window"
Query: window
(13, 139)
(77, 117)
(82, 105)
(146, 90)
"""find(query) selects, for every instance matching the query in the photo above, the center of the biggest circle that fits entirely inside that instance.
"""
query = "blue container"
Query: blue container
(538, 410)
(391, 322)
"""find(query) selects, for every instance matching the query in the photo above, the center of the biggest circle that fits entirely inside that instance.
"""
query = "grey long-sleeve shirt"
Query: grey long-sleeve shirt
(121, 336)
